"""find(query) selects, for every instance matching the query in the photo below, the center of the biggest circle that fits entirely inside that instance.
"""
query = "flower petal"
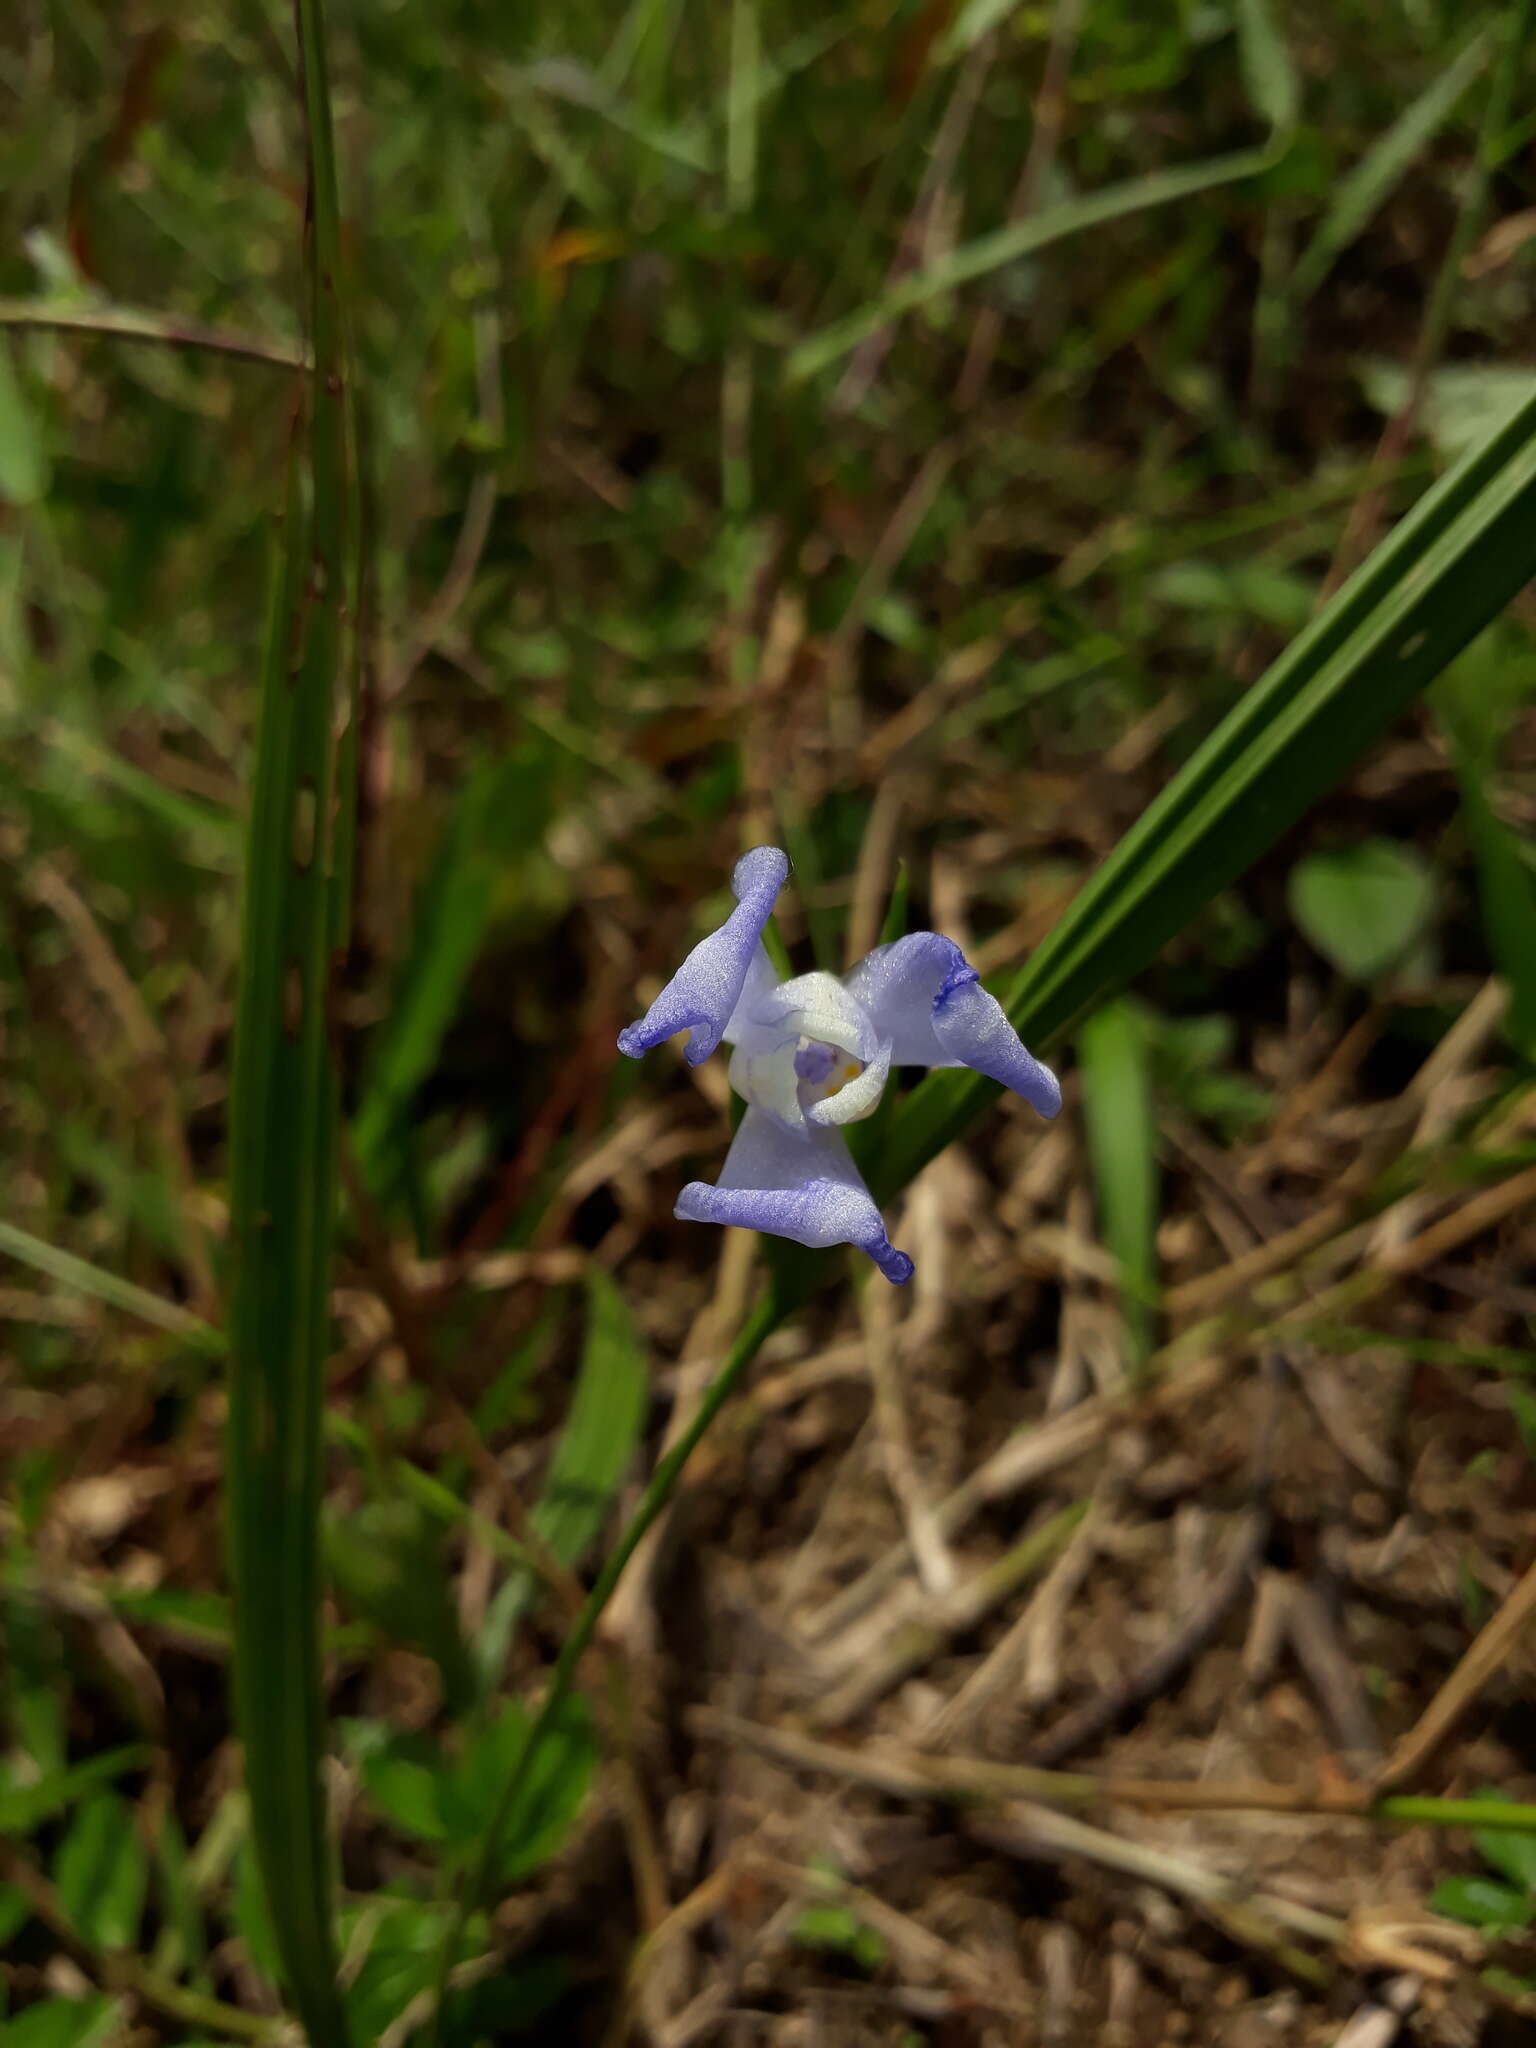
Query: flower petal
(921, 994)
(819, 1007)
(973, 1028)
(762, 1070)
(856, 1098)
(703, 995)
(804, 1186)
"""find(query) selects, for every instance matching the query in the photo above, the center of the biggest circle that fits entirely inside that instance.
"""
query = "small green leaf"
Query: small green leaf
(386, 1560)
(399, 1962)
(1481, 1902)
(1462, 403)
(838, 1930)
(552, 1791)
(1511, 1853)
(66, 2023)
(102, 1872)
(24, 1807)
(1362, 906)
(406, 1783)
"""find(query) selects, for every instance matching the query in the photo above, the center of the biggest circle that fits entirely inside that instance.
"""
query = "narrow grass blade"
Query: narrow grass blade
(1010, 244)
(1449, 567)
(1506, 879)
(502, 812)
(101, 1871)
(895, 925)
(546, 1723)
(128, 323)
(1114, 1055)
(1269, 76)
(1367, 187)
(283, 1113)
(23, 459)
(81, 1277)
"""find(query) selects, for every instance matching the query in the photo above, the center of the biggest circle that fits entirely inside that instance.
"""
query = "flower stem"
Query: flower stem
(763, 1320)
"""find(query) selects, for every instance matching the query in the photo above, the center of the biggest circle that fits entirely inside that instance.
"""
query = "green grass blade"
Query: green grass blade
(1115, 1058)
(763, 1320)
(1506, 879)
(23, 458)
(1367, 187)
(600, 1433)
(498, 818)
(283, 1115)
(1269, 76)
(81, 1277)
(1449, 568)
(1010, 244)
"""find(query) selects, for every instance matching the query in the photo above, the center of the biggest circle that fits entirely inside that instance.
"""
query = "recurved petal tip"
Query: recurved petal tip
(973, 1027)
(761, 868)
(702, 994)
(802, 1185)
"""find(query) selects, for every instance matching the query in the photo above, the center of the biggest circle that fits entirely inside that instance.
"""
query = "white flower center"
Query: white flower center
(811, 1054)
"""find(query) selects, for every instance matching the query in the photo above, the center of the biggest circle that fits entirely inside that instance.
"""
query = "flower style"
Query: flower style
(813, 1053)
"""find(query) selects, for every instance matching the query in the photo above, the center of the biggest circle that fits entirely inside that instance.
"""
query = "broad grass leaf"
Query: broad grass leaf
(1114, 1052)
(284, 1104)
(1447, 569)
(591, 1456)
(607, 1409)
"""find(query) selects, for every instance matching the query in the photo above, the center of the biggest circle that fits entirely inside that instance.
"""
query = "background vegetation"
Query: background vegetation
(904, 432)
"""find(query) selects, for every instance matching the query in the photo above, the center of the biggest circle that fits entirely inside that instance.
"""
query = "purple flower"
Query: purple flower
(813, 1053)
